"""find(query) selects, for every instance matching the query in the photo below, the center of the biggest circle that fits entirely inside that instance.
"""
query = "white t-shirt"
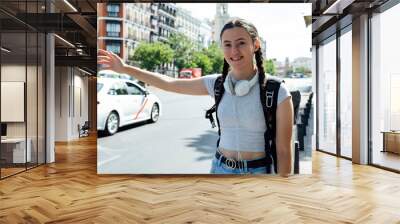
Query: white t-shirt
(242, 118)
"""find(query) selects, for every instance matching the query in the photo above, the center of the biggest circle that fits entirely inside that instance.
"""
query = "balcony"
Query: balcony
(168, 14)
(112, 14)
(113, 34)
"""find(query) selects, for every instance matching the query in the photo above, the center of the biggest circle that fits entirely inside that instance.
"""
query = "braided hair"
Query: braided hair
(219, 84)
(252, 31)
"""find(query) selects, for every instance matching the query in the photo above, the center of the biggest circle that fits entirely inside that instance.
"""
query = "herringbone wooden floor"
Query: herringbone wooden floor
(70, 191)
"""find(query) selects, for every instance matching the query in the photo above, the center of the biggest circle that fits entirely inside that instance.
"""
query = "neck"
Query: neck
(245, 74)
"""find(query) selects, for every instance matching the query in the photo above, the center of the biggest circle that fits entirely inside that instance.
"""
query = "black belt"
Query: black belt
(232, 163)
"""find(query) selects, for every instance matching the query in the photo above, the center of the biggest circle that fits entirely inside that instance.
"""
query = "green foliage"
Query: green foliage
(151, 55)
(302, 69)
(269, 67)
(183, 50)
(210, 59)
(200, 60)
(216, 57)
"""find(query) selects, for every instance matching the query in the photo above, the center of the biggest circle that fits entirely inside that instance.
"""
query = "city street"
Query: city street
(182, 141)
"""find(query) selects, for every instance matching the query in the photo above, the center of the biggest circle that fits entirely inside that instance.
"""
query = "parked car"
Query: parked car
(121, 102)
(190, 73)
(112, 74)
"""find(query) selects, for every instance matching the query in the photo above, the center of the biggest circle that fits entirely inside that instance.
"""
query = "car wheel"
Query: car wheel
(112, 123)
(155, 113)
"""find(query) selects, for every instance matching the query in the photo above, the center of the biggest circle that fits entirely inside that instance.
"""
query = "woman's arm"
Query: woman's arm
(185, 86)
(284, 124)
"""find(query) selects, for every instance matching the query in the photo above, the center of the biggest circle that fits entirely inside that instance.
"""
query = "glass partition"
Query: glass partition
(14, 152)
(385, 84)
(346, 93)
(22, 88)
(327, 97)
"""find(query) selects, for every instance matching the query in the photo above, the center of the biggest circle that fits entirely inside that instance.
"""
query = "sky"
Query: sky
(281, 25)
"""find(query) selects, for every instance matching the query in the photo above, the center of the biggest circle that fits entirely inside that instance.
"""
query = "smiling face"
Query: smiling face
(239, 48)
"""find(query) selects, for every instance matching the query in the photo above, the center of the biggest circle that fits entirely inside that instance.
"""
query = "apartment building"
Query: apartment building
(122, 26)
(166, 20)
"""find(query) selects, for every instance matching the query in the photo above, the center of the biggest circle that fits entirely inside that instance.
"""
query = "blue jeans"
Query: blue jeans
(217, 167)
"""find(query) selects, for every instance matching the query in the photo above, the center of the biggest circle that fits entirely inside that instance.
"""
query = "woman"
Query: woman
(240, 111)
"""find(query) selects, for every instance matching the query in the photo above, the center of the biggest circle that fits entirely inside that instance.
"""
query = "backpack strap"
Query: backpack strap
(218, 93)
(269, 101)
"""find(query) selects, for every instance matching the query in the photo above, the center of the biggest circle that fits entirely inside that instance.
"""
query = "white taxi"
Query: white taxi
(121, 102)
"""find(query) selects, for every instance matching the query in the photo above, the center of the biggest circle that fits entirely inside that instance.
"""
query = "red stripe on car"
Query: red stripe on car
(141, 109)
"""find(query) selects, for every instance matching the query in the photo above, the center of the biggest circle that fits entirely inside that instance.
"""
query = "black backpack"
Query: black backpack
(269, 99)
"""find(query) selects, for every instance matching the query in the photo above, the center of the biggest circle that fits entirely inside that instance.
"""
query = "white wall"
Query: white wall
(81, 84)
(71, 102)
(61, 103)
(14, 73)
(12, 101)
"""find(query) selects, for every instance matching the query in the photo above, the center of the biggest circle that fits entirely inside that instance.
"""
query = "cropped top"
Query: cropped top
(241, 117)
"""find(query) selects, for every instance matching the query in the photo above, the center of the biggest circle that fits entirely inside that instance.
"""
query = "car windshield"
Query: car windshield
(99, 86)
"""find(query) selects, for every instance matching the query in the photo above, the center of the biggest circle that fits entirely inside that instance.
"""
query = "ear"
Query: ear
(257, 44)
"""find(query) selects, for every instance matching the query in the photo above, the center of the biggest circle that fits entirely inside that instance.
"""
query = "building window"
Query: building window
(134, 17)
(130, 32)
(113, 29)
(113, 10)
(129, 14)
(113, 47)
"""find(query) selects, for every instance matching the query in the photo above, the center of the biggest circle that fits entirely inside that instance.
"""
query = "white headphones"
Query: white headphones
(242, 87)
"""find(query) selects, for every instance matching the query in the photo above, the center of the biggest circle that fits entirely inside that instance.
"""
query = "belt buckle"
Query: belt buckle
(231, 163)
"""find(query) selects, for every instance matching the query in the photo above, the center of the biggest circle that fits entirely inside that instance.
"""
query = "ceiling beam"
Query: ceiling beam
(82, 61)
(90, 31)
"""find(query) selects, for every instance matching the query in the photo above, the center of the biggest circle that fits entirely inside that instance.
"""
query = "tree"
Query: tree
(210, 59)
(151, 55)
(302, 69)
(183, 50)
(269, 67)
(200, 60)
(214, 53)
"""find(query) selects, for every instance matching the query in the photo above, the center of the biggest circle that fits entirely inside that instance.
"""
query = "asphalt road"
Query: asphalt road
(181, 142)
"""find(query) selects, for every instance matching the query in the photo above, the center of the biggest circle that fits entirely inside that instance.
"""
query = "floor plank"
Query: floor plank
(70, 191)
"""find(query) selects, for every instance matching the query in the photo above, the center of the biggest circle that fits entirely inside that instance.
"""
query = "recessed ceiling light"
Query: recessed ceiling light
(86, 72)
(337, 7)
(5, 49)
(70, 5)
(64, 40)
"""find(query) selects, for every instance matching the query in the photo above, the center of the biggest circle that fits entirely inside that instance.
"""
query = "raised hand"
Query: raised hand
(110, 61)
